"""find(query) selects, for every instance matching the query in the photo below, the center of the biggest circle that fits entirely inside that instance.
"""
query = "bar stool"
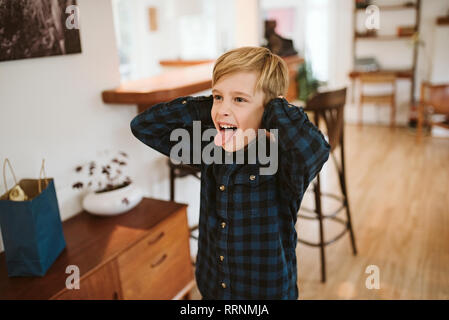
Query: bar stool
(180, 171)
(329, 106)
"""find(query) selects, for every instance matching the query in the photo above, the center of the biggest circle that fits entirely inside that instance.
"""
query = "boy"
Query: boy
(247, 236)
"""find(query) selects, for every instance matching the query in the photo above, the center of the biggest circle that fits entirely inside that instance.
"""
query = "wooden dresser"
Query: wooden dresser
(141, 254)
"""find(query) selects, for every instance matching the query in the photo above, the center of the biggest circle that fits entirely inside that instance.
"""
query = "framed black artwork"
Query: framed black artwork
(38, 28)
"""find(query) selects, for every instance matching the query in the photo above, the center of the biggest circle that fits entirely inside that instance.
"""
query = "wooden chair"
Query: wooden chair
(329, 106)
(434, 99)
(377, 78)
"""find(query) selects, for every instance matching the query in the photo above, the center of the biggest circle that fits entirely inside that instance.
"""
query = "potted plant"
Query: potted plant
(308, 85)
(109, 190)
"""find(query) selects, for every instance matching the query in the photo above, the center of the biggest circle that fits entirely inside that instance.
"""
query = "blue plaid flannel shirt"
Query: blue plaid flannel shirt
(247, 236)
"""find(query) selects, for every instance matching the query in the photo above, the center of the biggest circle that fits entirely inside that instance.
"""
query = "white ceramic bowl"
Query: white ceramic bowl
(113, 202)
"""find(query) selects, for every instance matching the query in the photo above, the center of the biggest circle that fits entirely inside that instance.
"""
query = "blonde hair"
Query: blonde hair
(271, 69)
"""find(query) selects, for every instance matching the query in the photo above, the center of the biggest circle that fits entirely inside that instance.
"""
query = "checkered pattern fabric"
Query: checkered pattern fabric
(247, 237)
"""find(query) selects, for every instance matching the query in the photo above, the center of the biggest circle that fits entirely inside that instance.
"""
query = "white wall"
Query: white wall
(246, 23)
(193, 29)
(440, 57)
(433, 54)
(51, 108)
(147, 47)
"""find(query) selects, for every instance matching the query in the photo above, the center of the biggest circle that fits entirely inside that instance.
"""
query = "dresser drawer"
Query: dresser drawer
(159, 265)
(103, 284)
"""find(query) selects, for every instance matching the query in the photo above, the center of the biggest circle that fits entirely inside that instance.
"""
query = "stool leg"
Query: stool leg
(317, 192)
(342, 179)
(172, 183)
(420, 122)
(360, 113)
(393, 113)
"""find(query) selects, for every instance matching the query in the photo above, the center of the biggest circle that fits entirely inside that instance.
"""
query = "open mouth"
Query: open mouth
(225, 133)
(227, 127)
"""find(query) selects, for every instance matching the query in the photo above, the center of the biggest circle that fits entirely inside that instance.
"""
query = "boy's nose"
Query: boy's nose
(224, 110)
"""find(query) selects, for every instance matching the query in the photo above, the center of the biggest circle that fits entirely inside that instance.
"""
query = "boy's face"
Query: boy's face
(236, 108)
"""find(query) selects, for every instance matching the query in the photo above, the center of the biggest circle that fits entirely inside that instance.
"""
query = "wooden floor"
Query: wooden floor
(399, 201)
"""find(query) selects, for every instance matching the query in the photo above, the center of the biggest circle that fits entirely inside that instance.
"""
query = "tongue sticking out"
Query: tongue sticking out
(223, 136)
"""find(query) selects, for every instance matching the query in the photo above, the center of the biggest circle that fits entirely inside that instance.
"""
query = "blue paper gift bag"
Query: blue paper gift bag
(31, 229)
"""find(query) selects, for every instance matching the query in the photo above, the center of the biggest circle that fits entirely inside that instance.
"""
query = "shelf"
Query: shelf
(384, 38)
(400, 73)
(392, 7)
(183, 63)
(443, 21)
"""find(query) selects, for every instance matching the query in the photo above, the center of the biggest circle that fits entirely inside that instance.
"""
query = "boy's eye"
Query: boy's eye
(216, 97)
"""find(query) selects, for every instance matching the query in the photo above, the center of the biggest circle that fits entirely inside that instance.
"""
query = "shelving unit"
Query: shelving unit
(416, 6)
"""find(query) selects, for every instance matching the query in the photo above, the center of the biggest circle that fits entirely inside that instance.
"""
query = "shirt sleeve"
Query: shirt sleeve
(303, 150)
(155, 125)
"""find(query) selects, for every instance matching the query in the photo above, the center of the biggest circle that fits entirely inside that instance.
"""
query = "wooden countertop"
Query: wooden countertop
(91, 242)
(183, 63)
(195, 77)
(163, 87)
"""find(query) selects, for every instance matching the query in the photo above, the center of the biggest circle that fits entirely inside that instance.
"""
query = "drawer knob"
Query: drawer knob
(156, 239)
(153, 265)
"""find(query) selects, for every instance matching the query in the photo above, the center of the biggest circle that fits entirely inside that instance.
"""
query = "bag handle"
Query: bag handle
(40, 176)
(4, 173)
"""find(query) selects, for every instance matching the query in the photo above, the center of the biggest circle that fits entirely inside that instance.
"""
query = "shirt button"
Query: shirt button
(223, 285)
(222, 187)
(223, 225)
(221, 258)
(252, 177)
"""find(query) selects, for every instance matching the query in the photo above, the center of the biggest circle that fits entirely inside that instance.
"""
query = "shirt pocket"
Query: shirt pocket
(253, 194)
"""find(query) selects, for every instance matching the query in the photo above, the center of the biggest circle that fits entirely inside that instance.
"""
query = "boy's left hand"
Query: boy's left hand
(267, 133)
